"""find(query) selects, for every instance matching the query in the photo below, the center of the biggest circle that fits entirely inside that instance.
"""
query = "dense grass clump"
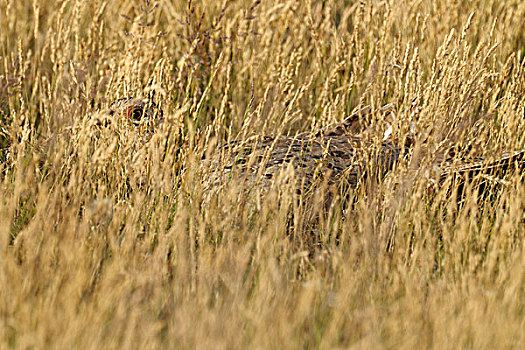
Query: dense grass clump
(113, 239)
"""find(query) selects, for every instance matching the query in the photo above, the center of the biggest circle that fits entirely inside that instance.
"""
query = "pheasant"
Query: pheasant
(333, 155)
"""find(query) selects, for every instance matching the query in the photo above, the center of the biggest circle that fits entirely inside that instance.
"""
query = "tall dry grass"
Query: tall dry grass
(107, 239)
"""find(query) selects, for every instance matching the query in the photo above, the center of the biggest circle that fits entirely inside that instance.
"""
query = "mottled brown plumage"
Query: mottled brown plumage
(333, 155)
(314, 158)
(497, 166)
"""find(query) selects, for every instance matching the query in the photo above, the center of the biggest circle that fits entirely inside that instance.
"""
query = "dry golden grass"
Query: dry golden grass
(110, 240)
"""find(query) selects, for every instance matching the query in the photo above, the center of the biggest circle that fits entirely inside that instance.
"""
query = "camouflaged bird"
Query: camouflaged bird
(333, 155)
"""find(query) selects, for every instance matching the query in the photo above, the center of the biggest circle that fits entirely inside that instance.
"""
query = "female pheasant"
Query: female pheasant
(333, 155)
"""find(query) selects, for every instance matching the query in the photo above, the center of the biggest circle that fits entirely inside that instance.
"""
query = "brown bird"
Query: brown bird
(333, 155)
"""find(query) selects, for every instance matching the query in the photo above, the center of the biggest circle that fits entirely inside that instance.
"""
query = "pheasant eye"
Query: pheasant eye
(134, 113)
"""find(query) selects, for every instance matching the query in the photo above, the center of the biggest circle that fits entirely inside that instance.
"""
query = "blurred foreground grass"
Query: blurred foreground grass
(106, 240)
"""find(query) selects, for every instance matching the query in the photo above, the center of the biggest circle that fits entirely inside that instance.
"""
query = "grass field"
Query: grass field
(109, 239)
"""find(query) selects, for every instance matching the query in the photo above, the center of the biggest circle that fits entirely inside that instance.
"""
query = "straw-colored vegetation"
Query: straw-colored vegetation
(109, 239)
